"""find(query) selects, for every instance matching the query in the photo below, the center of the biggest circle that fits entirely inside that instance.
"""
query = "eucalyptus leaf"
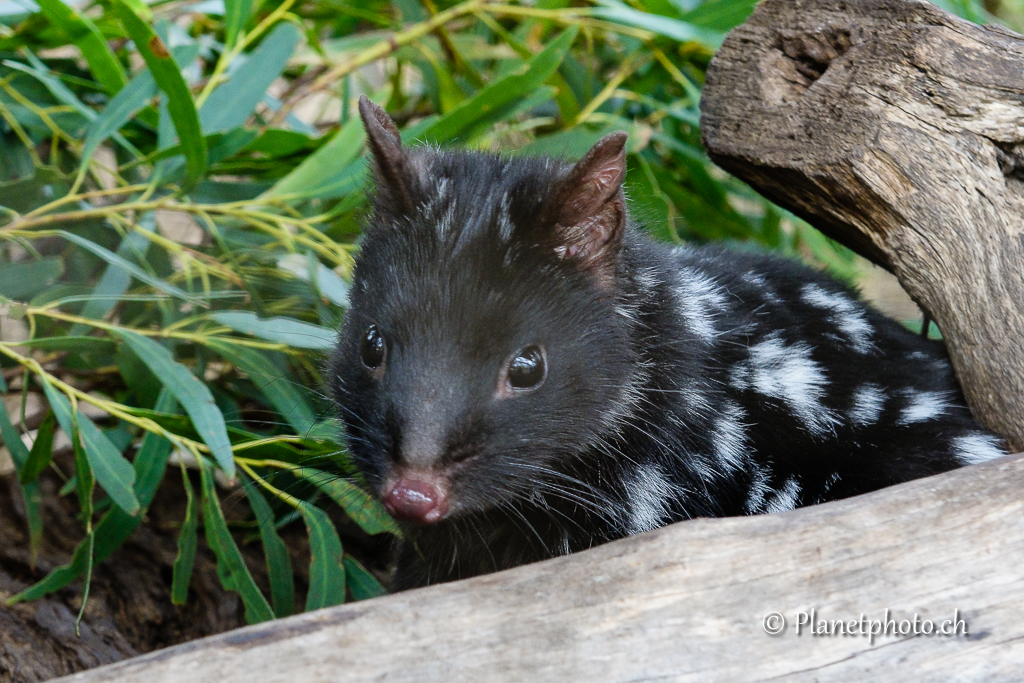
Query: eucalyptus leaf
(326, 571)
(112, 471)
(363, 509)
(231, 569)
(279, 562)
(190, 392)
(284, 330)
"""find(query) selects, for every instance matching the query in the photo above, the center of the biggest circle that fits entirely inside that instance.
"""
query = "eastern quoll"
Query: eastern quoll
(523, 374)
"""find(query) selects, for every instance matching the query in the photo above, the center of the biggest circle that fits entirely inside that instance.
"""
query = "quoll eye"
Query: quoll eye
(527, 368)
(373, 349)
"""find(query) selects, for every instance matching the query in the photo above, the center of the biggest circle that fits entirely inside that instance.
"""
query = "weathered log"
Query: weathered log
(686, 602)
(897, 129)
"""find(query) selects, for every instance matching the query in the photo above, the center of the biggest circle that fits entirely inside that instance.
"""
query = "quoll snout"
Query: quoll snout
(416, 497)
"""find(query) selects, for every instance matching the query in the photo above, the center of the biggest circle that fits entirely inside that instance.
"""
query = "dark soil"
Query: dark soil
(129, 610)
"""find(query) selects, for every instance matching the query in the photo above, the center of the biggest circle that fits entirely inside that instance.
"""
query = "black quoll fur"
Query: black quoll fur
(680, 381)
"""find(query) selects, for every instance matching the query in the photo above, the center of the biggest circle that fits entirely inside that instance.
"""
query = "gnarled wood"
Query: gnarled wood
(685, 602)
(897, 129)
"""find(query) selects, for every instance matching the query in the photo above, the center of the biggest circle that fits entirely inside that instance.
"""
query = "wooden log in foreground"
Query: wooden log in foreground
(685, 602)
(897, 129)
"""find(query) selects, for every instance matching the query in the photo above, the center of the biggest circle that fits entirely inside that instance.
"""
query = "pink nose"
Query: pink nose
(416, 500)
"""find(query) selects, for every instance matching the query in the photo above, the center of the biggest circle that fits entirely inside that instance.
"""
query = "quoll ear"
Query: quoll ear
(385, 143)
(590, 209)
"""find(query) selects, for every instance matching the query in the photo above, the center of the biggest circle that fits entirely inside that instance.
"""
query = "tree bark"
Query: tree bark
(686, 602)
(897, 129)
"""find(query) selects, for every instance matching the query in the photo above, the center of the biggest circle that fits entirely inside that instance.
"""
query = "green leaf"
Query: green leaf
(114, 281)
(134, 96)
(22, 281)
(233, 102)
(284, 330)
(119, 262)
(80, 30)
(168, 76)
(117, 525)
(236, 13)
(327, 281)
(363, 509)
(186, 557)
(113, 472)
(42, 451)
(118, 111)
(361, 582)
(273, 382)
(496, 101)
(326, 571)
(193, 395)
(85, 483)
(30, 492)
(682, 31)
(324, 168)
(279, 562)
(231, 569)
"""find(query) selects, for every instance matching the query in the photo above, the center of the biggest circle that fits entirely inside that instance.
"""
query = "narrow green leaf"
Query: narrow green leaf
(494, 102)
(233, 102)
(114, 281)
(168, 76)
(361, 583)
(113, 472)
(327, 281)
(117, 525)
(134, 96)
(30, 492)
(284, 330)
(22, 281)
(193, 395)
(236, 13)
(324, 167)
(326, 571)
(279, 562)
(118, 111)
(42, 451)
(364, 510)
(85, 483)
(186, 558)
(12, 439)
(136, 272)
(682, 31)
(80, 30)
(273, 381)
(231, 569)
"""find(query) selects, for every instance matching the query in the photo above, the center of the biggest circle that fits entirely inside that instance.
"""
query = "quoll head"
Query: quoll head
(481, 346)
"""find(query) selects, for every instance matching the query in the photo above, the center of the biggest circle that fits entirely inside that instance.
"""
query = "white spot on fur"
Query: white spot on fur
(646, 279)
(868, 401)
(831, 481)
(758, 490)
(730, 437)
(700, 299)
(649, 496)
(976, 448)
(764, 289)
(789, 374)
(739, 376)
(785, 499)
(846, 314)
(923, 406)
(504, 219)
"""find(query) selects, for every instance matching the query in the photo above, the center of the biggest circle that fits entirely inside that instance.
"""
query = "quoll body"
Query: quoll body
(523, 374)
